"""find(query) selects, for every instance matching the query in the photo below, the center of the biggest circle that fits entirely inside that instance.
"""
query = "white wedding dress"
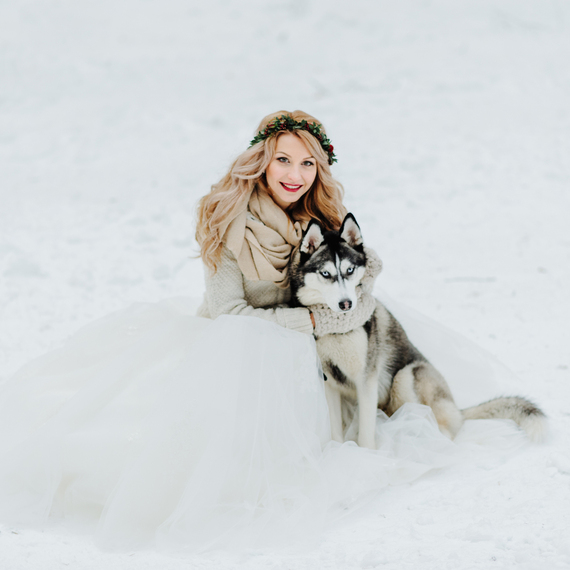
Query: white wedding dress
(162, 429)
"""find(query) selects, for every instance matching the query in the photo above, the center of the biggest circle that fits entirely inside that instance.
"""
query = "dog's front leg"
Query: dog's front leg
(335, 412)
(367, 409)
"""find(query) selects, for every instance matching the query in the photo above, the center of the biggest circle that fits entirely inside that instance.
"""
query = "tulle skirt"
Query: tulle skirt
(158, 428)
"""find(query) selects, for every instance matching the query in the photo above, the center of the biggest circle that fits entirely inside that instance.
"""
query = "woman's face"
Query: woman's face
(291, 172)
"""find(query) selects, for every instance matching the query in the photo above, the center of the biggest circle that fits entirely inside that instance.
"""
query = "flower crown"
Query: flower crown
(287, 123)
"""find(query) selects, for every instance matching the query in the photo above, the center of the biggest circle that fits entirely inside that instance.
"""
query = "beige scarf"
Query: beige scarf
(262, 237)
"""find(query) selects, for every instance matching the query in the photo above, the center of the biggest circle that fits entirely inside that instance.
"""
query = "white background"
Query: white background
(451, 122)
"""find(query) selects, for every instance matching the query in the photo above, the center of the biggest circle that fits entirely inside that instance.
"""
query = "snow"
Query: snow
(451, 122)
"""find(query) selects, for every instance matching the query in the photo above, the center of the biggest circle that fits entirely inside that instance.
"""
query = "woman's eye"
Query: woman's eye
(350, 271)
(308, 163)
(325, 274)
(282, 159)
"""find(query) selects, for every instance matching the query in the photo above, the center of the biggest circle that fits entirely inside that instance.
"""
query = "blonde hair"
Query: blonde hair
(226, 199)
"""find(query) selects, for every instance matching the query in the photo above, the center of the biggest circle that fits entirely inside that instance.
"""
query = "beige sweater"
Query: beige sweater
(228, 292)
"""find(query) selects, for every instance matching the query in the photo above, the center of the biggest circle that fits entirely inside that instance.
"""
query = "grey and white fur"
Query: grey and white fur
(375, 365)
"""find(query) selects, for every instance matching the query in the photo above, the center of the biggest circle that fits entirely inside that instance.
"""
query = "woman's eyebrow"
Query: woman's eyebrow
(287, 155)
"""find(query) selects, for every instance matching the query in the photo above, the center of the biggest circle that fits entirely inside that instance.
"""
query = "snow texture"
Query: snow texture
(451, 121)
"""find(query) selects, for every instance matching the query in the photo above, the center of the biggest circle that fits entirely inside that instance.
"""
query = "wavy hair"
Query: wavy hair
(226, 199)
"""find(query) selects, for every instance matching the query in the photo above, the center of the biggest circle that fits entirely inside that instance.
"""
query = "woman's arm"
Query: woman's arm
(226, 296)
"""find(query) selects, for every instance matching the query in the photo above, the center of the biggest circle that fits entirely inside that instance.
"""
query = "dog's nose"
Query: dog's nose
(345, 305)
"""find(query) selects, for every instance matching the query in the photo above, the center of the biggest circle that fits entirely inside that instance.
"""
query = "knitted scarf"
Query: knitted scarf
(261, 238)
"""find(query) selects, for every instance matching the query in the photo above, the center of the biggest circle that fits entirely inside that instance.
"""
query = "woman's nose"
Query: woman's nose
(295, 174)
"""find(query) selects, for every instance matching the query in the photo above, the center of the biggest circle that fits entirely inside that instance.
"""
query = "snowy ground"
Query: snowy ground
(451, 122)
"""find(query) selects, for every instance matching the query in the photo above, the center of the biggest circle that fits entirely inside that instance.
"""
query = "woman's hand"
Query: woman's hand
(326, 321)
(372, 270)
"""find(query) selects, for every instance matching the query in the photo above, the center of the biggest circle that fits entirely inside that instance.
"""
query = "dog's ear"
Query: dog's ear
(350, 231)
(312, 238)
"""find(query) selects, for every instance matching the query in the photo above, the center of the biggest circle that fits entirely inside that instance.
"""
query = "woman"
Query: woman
(253, 218)
(158, 427)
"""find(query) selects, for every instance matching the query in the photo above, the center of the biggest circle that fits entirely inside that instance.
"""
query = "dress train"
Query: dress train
(159, 428)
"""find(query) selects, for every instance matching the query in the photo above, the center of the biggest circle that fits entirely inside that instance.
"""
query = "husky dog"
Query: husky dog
(375, 365)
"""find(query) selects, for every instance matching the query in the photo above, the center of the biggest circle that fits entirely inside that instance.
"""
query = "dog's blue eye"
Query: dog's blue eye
(350, 271)
(325, 274)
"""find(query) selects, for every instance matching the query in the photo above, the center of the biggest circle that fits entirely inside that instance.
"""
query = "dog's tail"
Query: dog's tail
(524, 413)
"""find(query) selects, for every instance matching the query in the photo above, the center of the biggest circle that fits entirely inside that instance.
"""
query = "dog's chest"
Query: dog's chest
(347, 352)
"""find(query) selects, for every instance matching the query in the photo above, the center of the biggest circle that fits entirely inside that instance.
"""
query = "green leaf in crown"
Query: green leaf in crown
(286, 123)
